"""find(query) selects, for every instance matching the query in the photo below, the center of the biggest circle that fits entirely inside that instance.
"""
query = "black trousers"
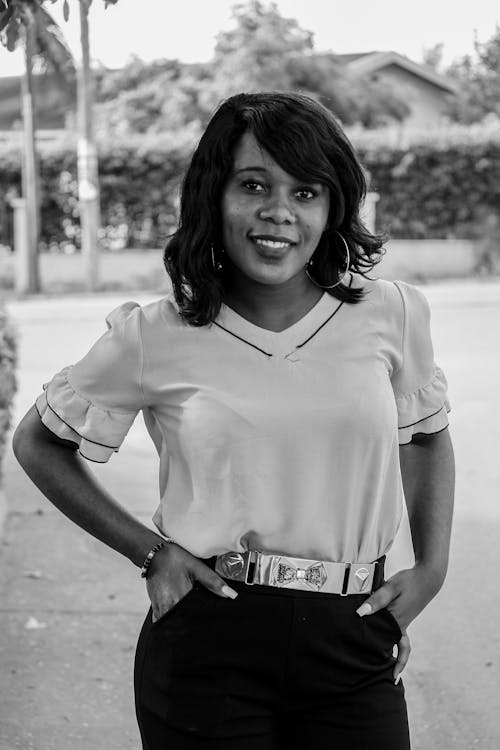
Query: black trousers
(272, 669)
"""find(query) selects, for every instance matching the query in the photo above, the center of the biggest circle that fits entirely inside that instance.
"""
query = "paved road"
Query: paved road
(68, 683)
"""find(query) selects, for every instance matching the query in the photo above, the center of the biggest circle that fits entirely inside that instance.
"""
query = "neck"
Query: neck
(273, 306)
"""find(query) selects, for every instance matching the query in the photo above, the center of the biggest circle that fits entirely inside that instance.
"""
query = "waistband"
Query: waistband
(283, 572)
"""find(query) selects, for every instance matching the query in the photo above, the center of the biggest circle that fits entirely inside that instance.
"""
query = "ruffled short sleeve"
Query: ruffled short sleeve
(94, 402)
(420, 386)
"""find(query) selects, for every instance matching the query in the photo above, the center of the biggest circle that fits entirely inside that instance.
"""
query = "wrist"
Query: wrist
(150, 557)
(142, 545)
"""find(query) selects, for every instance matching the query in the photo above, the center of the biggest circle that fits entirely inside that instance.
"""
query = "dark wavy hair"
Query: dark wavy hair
(304, 138)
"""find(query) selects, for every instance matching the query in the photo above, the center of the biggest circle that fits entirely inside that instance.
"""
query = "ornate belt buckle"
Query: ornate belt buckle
(285, 572)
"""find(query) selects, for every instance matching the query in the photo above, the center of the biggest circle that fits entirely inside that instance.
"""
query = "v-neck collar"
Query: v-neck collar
(279, 343)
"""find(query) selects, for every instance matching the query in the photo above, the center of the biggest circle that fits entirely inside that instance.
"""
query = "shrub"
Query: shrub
(139, 192)
(8, 359)
(434, 184)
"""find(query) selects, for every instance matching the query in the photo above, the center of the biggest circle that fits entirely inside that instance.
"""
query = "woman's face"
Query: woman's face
(271, 221)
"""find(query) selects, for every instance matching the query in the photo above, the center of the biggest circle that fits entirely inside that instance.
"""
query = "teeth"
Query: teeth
(270, 243)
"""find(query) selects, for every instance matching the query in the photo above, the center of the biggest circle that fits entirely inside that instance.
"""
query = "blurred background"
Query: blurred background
(101, 105)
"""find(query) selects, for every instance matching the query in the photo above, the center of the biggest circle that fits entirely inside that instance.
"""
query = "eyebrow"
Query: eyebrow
(250, 169)
(263, 169)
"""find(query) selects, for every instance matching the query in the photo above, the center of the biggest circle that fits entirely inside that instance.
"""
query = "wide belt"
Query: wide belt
(344, 578)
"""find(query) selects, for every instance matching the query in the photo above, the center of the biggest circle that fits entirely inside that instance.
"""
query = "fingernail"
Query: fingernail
(397, 679)
(227, 591)
(365, 609)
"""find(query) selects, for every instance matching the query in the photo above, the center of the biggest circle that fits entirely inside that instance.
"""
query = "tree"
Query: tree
(479, 79)
(265, 51)
(254, 55)
(262, 50)
(351, 99)
(433, 56)
(88, 180)
(27, 23)
(164, 95)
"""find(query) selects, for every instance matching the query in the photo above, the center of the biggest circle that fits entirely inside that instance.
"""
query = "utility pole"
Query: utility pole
(30, 167)
(88, 181)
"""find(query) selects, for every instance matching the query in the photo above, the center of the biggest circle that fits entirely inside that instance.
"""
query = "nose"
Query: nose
(278, 210)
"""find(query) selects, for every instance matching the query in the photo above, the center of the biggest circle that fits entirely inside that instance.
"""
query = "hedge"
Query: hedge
(139, 193)
(435, 185)
(8, 359)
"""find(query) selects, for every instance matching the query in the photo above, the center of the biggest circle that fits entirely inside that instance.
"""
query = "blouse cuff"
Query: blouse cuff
(425, 410)
(98, 432)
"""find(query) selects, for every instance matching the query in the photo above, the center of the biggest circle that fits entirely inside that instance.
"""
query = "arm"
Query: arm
(57, 469)
(428, 474)
(427, 469)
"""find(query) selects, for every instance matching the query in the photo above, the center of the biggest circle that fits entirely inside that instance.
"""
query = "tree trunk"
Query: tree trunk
(88, 182)
(30, 166)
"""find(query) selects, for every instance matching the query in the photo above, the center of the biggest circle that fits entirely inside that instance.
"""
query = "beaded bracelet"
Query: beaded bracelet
(152, 552)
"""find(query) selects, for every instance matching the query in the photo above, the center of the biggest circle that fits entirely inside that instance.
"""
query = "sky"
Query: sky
(186, 29)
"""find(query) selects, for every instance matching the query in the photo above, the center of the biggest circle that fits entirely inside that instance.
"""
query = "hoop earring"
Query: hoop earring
(216, 265)
(348, 263)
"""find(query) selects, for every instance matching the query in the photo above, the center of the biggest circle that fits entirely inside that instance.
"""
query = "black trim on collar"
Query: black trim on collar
(298, 346)
(321, 326)
(326, 321)
(242, 339)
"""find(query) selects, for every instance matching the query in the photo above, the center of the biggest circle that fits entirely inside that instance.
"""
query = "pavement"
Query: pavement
(71, 609)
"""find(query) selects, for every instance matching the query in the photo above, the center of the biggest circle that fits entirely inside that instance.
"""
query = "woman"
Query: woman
(276, 383)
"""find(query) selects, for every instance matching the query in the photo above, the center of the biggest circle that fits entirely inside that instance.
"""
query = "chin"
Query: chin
(272, 276)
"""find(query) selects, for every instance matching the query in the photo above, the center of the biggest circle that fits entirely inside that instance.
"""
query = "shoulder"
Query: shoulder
(158, 313)
(163, 329)
(130, 322)
(397, 298)
(123, 314)
(381, 294)
(413, 303)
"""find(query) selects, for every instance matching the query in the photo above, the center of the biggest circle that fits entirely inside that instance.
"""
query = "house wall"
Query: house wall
(426, 101)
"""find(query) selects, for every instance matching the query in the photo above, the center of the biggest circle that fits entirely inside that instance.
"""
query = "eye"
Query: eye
(252, 186)
(306, 193)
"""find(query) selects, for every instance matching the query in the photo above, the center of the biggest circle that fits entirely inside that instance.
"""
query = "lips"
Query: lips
(272, 238)
(272, 245)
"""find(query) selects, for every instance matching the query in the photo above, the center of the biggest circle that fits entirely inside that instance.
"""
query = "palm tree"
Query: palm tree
(27, 23)
(88, 180)
(29, 14)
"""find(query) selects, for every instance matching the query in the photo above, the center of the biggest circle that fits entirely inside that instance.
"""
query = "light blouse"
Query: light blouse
(285, 442)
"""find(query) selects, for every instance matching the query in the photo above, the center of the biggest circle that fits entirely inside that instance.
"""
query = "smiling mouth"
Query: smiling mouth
(270, 244)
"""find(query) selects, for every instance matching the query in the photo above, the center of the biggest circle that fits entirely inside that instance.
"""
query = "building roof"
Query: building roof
(364, 63)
